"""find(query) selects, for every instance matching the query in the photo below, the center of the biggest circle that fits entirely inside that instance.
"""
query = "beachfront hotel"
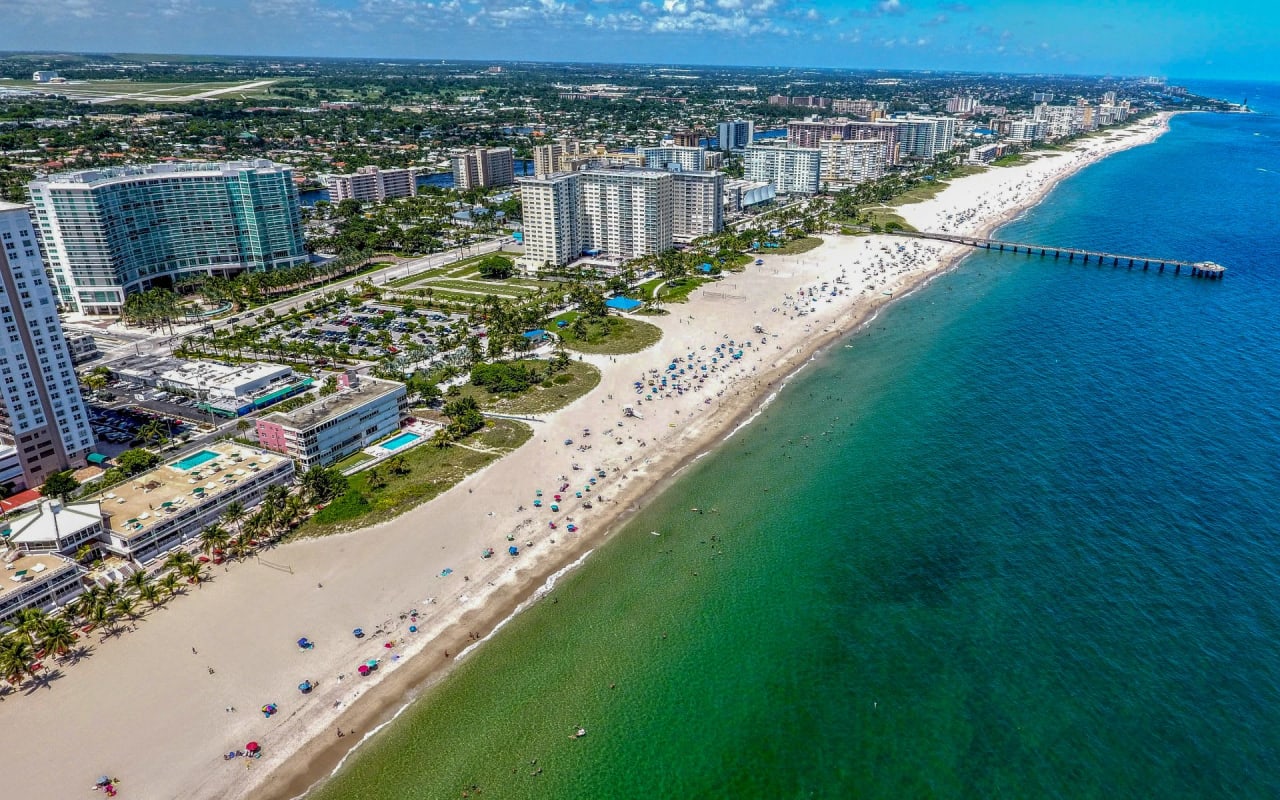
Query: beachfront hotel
(42, 415)
(152, 513)
(372, 185)
(108, 233)
(791, 170)
(140, 520)
(361, 412)
(38, 580)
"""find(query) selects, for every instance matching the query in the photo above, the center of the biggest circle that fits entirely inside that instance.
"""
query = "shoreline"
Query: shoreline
(296, 782)
(304, 753)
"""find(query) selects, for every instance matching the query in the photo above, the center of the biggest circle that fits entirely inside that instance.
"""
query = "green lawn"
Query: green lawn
(794, 247)
(576, 380)
(611, 336)
(1010, 160)
(431, 471)
(678, 291)
(925, 190)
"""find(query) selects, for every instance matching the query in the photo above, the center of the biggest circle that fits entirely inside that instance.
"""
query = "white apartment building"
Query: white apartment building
(698, 205)
(551, 215)
(736, 134)
(688, 159)
(853, 161)
(43, 415)
(627, 213)
(616, 214)
(961, 105)
(1025, 131)
(861, 108)
(791, 170)
(926, 137)
(484, 168)
(372, 185)
(1057, 121)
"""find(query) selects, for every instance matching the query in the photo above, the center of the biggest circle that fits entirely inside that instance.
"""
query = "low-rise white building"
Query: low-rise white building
(55, 528)
(162, 508)
(42, 580)
(360, 413)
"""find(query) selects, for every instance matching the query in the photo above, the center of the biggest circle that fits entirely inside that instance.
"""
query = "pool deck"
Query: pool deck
(142, 497)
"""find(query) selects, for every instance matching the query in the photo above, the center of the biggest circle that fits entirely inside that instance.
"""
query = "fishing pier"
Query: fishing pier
(1196, 269)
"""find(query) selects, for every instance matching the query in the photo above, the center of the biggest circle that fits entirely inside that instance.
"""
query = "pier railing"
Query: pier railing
(1197, 269)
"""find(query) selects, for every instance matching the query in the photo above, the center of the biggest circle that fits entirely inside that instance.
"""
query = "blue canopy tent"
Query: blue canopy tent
(535, 335)
(623, 303)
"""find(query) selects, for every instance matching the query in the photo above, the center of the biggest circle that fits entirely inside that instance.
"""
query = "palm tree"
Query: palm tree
(233, 514)
(153, 594)
(126, 607)
(193, 572)
(170, 583)
(110, 594)
(137, 581)
(100, 615)
(57, 637)
(17, 655)
(29, 622)
(260, 524)
(177, 558)
(214, 537)
(274, 496)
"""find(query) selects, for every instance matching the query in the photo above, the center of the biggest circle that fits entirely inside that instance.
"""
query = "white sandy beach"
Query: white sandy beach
(145, 708)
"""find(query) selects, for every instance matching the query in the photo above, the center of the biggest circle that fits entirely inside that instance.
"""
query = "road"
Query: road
(378, 277)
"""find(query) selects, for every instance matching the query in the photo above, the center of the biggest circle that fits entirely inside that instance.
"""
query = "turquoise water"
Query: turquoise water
(1018, 540)
(195, 459)
(400, 441)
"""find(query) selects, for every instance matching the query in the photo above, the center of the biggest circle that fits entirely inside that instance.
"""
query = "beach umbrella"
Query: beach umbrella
(104, 780)
(358, 633)
(303, 643)
(372, 663)
(513, 550)
(362, 669)
(304, 687)
(253, 747)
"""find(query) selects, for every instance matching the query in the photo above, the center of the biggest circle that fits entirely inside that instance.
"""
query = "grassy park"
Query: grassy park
(549, 390)
(402, 482)
(608, 335)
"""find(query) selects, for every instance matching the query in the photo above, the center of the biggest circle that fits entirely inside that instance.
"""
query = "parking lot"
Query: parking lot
(372, 331)
(118, 427)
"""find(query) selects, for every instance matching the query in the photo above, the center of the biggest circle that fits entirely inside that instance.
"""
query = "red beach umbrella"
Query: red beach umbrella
(252, 747)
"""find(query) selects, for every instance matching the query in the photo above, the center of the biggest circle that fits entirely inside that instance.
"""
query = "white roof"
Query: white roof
(46, 525)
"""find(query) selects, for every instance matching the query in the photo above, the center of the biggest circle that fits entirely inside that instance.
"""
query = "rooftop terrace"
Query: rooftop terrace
(132, 508)
(23, 570)
(334, 405)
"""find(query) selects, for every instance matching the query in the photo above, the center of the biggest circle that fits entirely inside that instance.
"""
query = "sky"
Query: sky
(1177, 38)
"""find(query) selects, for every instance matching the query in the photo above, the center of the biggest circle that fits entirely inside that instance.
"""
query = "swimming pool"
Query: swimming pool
(195, 459)
(403, 440)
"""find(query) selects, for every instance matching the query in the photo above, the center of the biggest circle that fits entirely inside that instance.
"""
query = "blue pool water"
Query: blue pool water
(403, 440)
(195, 459)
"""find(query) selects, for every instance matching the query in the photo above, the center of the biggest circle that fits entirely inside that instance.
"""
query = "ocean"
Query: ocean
(1019, 538)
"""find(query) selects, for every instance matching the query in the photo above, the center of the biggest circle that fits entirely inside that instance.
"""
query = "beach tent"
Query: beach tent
(623, 303)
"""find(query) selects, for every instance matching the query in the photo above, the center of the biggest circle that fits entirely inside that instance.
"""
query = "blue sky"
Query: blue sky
(1180, 38)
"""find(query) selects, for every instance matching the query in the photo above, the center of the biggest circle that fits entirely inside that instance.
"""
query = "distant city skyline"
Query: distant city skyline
(1181, 38)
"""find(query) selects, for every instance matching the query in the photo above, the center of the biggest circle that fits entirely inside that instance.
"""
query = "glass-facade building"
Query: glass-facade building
(108, 233)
